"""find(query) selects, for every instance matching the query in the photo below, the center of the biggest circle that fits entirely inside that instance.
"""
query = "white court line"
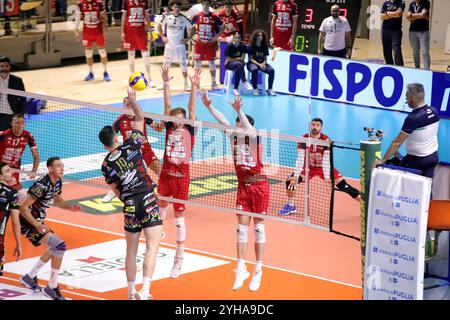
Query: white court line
(67, 291)
(212, 254)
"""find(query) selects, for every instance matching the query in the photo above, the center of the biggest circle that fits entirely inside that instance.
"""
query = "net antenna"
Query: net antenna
(307, 196)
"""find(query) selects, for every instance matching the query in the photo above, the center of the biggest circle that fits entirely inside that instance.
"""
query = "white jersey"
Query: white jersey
(175, 28)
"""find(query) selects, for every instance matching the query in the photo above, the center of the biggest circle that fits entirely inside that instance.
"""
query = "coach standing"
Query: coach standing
(9, 104)
(419, 35)
(391, 31)
(336, 32)
(420, 131)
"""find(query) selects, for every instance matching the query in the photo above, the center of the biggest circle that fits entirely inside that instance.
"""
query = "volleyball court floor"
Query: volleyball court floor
(299, 263)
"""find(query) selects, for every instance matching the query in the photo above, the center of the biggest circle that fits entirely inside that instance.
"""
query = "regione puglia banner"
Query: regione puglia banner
(396, 233)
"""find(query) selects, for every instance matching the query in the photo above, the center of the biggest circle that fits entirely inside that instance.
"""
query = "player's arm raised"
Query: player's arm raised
(237, 106)
(214, 112)
(195, 80)
(139, 120)
(167, 96)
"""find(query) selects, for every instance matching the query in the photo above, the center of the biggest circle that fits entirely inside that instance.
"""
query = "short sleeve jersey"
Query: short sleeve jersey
(178, 150)
(135, 14)
(125, 167)
(175, 28)
(12, 146)
(235, 52)
(285, 12)
(247, 155)
(315, 151)
(207, 26)
(231, 21)
(91, 12)
(8, 201)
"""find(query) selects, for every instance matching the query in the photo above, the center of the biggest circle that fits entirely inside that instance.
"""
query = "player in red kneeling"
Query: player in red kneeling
(284, 24)
(135, 28)
(12, 145)
(93, 14)
(319, 165)
(174, 180)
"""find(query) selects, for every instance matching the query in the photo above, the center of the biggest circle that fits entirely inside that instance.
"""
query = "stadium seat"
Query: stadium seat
(228, 83)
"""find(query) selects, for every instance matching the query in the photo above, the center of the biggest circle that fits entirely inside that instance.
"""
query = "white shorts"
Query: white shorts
(175, 54)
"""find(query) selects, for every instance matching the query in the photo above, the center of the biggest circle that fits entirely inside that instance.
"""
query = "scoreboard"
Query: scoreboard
(9, 8)
(310, 16)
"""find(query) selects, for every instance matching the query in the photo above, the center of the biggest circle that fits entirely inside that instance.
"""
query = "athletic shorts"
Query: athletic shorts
(253, 197)
(204, 52)
(175, 54)
(148, 154)
(141, 211)
(281, 39)
(175, 187)
(135, 40)
(91, 36)
(32, 234)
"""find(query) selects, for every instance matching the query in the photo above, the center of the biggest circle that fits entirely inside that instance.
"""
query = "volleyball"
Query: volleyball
(137, 81)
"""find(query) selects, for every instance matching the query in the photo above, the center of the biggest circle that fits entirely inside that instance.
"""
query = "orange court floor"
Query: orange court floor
(299, 263)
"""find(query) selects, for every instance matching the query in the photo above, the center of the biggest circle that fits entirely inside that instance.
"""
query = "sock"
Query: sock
(185, 80)
(291, 201)
(37, 267)
(180, 250)
(104, 68)
(131, 287)
(146, 285)
(90, 68)
(258, 266)
(241, 264)
(53, 282)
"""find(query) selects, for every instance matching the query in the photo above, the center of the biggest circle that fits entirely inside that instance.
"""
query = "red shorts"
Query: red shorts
(281, 39)
(253, 197)
(205, 51)
(319, 172)
(175, 187)
(148, 154)
(135, 40)
(93, 35)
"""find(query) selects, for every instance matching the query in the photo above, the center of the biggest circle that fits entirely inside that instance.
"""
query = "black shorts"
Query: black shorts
(32, 234)
(141, 211)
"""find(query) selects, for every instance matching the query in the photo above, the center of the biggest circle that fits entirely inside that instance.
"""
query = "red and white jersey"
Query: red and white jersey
(135, 14)
(315, 151)
(247, 155)
(207, 26)
(285, 12)
(91, 12)
(178, 150)
(12, 146)
(231, 21)
(124, 124)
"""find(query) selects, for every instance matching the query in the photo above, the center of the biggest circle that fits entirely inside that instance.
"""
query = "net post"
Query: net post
(332, 185)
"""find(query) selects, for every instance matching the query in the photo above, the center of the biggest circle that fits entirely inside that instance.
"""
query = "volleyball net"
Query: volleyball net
(69, 129)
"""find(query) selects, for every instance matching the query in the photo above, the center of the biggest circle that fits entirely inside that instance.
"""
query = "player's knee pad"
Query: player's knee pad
(260, 233)
(183, 65)
(242, 233)
(180, 229)
(89, 53)
(57, 246)
(197, 64)
(212, 65)
(345, 187)
(102, 53)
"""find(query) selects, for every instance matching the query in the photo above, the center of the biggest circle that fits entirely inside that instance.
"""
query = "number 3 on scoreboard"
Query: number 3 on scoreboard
(309, 15)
